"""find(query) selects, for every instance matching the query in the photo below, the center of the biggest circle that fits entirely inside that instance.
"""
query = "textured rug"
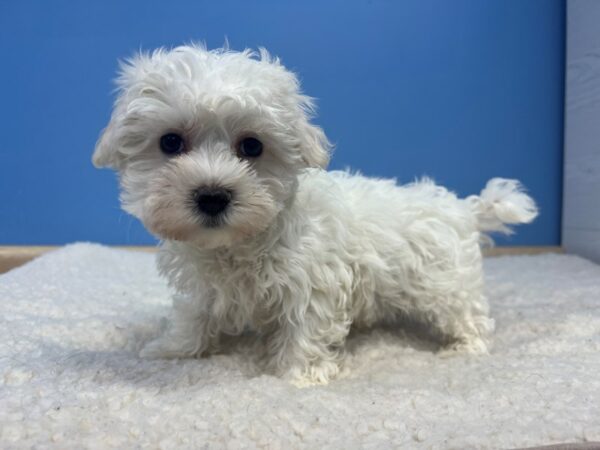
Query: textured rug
(73, 320)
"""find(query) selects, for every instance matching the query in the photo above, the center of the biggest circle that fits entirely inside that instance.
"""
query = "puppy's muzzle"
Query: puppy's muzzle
(211, 201)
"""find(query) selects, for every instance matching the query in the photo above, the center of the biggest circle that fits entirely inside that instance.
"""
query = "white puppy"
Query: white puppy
(217, 157)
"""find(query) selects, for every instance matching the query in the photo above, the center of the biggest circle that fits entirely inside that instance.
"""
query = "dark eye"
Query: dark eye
(250, 147)
(172, 144)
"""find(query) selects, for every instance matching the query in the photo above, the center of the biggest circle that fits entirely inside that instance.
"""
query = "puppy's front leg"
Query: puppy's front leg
(308, 345)
(188, 334)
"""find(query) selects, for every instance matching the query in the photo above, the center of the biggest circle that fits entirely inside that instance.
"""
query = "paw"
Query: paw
(467, 345)
(165, 348)
(155, 350)
(318, 373)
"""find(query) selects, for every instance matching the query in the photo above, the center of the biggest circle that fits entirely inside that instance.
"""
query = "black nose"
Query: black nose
(212, 201)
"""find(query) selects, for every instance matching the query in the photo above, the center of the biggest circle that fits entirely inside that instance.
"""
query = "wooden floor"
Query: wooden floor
(15, 256)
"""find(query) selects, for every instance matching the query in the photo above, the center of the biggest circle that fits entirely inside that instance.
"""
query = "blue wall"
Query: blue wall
(461, 91)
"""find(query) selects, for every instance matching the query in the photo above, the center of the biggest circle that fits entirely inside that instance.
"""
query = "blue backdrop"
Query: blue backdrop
(461, 91)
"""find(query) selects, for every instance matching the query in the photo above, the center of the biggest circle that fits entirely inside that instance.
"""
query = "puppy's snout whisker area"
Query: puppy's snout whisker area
(211, 201)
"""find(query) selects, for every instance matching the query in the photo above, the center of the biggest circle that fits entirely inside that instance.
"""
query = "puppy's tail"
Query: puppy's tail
(500, 203)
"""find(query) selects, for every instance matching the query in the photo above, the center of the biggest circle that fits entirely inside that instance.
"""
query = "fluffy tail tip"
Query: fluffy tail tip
(503, 202)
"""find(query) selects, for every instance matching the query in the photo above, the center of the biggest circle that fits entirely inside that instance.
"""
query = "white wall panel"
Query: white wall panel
(581, 203)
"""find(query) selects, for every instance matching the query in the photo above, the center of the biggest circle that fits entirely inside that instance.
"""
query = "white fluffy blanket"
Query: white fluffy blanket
(70, 377)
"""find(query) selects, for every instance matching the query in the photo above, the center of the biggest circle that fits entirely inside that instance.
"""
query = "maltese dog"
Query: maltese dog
(217, 156)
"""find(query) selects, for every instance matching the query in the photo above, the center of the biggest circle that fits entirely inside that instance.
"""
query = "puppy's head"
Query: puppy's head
(209, 144)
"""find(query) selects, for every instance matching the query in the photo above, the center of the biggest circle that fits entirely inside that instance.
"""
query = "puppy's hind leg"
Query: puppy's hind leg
(469, 329)
(461, 322)
(442, 289)
(458, 320)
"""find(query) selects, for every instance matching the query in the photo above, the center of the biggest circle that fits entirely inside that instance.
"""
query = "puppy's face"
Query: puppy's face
(208, 145)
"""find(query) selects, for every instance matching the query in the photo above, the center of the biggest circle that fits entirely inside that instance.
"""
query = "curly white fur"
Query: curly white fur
(301, 255)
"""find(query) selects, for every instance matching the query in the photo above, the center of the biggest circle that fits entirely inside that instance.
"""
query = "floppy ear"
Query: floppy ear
(131, 71)
(316, 148)
(105, 154)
